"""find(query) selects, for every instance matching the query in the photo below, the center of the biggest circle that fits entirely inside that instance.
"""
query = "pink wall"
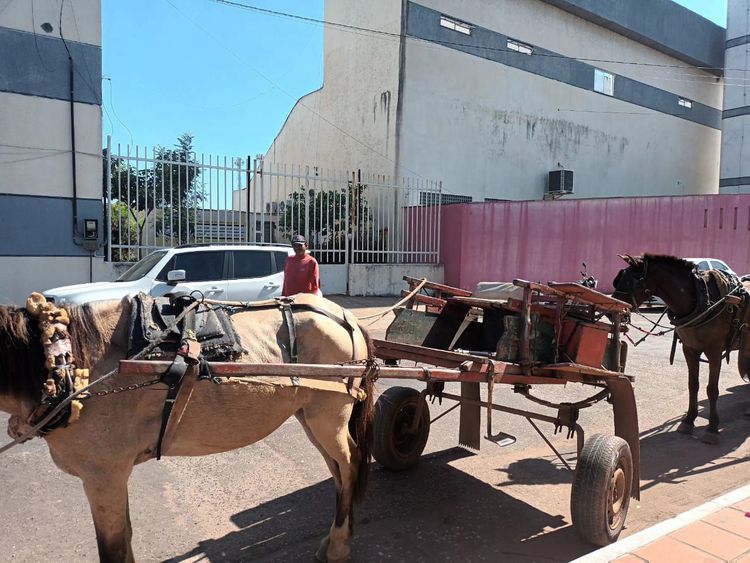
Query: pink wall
(548, 240)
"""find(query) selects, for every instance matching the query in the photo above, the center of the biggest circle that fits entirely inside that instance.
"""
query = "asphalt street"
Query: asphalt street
(273, 501)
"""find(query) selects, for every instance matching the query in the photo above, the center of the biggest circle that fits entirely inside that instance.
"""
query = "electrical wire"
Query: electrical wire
(296, 98)
(114, 111)
(400, 36)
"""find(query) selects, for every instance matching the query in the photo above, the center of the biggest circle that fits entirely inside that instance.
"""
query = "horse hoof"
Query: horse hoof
(710, 437)
(685, 428)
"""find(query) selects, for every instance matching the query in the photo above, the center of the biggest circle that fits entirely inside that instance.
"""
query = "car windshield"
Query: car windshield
(719, 265)
(140, 269)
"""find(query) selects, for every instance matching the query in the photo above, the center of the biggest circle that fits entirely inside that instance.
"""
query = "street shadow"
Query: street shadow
(538, 471)
(670, 457)
(433, 512)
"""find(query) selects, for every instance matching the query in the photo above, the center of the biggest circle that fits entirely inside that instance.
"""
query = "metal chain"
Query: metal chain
(116, 390)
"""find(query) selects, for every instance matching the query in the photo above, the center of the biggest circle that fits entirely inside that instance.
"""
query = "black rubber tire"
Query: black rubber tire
(604, 471)
(392, 446)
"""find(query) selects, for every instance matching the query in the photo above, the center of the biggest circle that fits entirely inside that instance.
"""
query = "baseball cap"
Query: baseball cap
(298, 239)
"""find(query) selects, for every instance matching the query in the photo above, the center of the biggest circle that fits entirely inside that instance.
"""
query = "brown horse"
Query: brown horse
(117, 431)
(702, 328)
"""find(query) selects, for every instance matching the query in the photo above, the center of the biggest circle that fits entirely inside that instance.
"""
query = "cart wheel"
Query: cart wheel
(600, 496)
(395, 446)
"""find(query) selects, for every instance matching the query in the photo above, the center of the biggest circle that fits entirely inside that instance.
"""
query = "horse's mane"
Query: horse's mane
(667, 260)
(22, 370)
(86, 334)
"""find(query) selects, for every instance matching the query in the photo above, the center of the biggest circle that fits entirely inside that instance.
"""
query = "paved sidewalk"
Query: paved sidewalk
(718, 530)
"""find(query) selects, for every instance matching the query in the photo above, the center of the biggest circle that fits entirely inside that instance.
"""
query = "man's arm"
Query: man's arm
(315, 282)
(284, 287)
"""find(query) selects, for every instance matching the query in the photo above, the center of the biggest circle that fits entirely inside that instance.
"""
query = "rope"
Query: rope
(378, 316)
(38, 426)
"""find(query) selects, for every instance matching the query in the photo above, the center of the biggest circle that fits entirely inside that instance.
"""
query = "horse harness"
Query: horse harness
(190, 363)
(197, 336)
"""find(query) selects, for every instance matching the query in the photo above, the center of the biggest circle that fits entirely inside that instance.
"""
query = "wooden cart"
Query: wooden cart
(540, 334)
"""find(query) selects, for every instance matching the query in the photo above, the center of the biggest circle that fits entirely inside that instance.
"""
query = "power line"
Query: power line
(400, 36)
(291, 96)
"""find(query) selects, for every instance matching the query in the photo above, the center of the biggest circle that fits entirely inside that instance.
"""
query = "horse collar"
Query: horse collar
(63, 378)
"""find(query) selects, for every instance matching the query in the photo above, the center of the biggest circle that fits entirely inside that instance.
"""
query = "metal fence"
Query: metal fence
(160, 198)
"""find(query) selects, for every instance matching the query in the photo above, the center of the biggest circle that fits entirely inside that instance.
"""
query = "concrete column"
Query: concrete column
(735, 150)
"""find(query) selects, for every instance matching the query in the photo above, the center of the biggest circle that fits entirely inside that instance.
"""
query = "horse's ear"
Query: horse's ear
(629, 259)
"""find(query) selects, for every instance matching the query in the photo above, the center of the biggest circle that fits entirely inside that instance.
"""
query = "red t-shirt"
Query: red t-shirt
(301, 275)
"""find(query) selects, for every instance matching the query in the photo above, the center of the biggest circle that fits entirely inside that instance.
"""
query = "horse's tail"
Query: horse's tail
(360, 425)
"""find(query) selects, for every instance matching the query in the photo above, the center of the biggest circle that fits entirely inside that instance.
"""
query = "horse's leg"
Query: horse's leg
(330, 429)
(711, 434)
(107, 492)
(335, 473)
(692, 357)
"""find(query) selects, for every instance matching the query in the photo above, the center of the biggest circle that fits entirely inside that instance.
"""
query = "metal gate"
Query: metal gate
(160, 198)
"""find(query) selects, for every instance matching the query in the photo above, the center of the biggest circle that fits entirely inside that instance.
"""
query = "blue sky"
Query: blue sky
(228, 76)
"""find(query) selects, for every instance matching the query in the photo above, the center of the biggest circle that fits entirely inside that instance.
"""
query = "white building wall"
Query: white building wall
(500, 130)
(735, 153)
(37, 247)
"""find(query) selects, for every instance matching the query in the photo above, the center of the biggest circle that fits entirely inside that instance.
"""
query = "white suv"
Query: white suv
(230, 273)
(711, 264)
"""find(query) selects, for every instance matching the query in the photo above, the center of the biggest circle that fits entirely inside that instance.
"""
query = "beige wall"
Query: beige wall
(489, 130)
(81, 19)
(35, 134)
(358, 99)
(542, 24)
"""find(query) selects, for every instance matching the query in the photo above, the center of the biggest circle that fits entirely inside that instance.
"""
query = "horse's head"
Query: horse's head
(631, 284)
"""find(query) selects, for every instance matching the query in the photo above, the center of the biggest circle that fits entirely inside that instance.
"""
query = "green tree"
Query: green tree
(166, 191)
(322, 217)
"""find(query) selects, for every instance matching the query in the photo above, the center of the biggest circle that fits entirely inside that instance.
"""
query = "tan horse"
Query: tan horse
(117, 431)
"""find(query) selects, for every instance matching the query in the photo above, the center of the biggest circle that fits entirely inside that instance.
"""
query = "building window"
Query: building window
(455, 25)
(604, 82)
(432, 198)
(519, 47)
(685, 103)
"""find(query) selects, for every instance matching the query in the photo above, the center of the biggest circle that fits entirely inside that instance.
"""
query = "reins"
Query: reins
(695, 322)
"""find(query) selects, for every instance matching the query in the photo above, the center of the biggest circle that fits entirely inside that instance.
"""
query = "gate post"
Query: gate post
(108, 200)
(248, 180)
(347, 215)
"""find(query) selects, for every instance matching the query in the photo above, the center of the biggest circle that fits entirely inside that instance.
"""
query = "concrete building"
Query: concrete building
(489, 97)
(735, 154)
(40, 246)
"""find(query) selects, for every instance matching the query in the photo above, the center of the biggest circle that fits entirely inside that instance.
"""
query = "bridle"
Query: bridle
(635, 282)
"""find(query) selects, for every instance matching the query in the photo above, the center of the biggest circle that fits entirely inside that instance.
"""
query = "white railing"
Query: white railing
(161, 198)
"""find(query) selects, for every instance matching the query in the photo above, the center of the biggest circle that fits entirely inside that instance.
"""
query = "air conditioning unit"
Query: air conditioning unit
(559, 182)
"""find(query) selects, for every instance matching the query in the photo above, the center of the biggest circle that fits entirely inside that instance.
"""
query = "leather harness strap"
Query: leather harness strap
(291, 327)
(180, 377)
(287, 306)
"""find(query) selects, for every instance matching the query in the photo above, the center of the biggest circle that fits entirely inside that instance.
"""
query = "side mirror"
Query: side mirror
(174, 276)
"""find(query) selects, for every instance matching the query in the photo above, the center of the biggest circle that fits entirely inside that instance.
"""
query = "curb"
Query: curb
(662, 529)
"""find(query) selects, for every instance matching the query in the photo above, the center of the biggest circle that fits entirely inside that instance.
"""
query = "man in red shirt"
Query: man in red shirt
(301, 274)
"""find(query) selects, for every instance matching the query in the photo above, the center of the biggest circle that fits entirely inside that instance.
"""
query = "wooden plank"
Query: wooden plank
(479, 302)
(425, 299)
(565, 368)
(338, 372)
(413, 282)
(578, 294)
(445, 358)
(591, 296)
